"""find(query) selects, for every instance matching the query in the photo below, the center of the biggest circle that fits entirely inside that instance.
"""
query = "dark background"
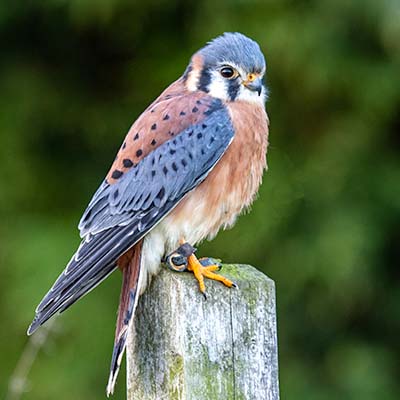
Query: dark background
(75, 74)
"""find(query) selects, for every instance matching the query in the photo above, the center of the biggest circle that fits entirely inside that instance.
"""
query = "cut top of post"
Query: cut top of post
(187, 348)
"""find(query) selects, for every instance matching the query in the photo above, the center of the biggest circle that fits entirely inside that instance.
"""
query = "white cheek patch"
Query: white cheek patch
(192, 81)
(218, 86)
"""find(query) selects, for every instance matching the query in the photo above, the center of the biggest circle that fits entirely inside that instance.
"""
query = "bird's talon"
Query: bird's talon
(184, 259)
(200, 271)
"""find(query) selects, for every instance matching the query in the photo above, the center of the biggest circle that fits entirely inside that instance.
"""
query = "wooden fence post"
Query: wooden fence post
(184, 347)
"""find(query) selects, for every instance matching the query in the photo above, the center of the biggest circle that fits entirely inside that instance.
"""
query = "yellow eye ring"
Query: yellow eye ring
(251, 77)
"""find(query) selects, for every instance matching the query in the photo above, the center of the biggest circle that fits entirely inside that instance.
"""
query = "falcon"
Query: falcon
(189, 165)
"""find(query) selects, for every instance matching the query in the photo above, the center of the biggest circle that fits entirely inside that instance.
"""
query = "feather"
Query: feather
(123, 210)
(127, 305)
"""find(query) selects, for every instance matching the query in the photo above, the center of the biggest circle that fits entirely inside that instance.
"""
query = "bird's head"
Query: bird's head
(230, 67)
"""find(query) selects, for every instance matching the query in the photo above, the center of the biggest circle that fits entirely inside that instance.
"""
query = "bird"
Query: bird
(189, 165)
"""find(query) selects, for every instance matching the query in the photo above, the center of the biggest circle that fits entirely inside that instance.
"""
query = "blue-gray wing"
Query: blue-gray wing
(119, 215)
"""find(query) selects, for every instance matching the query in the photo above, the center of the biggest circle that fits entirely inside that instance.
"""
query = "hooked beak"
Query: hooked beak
(255, 85)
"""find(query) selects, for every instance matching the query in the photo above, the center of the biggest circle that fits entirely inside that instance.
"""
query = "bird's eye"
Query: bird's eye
(227, 72)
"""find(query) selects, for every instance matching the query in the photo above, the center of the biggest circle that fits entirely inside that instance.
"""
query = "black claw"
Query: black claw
(204, 295)
(234, 285)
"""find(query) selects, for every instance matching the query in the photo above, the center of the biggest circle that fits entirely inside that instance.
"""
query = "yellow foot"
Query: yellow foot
(200, 272)
(184, 259)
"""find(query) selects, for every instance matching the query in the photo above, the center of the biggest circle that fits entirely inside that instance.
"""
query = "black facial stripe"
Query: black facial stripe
(233, 87)
(204, 81)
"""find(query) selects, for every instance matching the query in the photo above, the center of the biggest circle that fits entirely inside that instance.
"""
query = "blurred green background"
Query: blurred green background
(75, 74)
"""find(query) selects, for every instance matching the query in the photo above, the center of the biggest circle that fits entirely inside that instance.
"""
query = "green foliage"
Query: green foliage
(75, 74)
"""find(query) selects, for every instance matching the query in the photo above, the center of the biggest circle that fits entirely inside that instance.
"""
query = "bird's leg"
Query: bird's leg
(184, 259)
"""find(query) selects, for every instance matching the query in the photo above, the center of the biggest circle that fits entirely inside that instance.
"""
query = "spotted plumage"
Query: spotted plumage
(187, 167)
(145, 133)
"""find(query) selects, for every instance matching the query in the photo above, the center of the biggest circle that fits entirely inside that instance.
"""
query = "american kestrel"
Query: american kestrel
(189, 165)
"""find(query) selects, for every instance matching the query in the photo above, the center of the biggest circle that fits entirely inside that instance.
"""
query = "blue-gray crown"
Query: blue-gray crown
(236, 48)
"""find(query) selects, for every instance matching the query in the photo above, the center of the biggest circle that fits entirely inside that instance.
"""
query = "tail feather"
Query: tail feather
(95, 259)
(131, 266)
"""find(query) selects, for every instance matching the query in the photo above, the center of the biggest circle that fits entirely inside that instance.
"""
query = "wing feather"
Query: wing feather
(120, 214)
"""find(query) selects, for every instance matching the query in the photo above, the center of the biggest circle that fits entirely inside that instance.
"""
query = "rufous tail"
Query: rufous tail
(130, 263)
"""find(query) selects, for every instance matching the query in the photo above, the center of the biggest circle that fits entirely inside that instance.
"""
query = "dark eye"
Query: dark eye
(227, 72)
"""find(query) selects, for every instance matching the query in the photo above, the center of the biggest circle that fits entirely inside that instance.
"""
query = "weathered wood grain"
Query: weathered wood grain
(184, 347)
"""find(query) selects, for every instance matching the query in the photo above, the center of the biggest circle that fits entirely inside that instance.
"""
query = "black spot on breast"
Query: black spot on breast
(123, 145)
(182, 113)
(153, 109)
(153, 173)
(204, 126)
(174, 167)
(172, 151)
(116, 193)
(198, 102)
(127, 162)
(116, 174)
(136, 137)
(171, 133)
(166, 116)
(153, 142)
(199, 135)
(154, 127)
(190, 133)
(183, 162)
(139, 153)
(165, 170)
(195, 109)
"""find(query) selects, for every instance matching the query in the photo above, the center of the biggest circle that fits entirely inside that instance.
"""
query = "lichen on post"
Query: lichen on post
(184, 347)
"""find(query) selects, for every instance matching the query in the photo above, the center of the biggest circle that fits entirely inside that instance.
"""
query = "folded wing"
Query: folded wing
(121, 213)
